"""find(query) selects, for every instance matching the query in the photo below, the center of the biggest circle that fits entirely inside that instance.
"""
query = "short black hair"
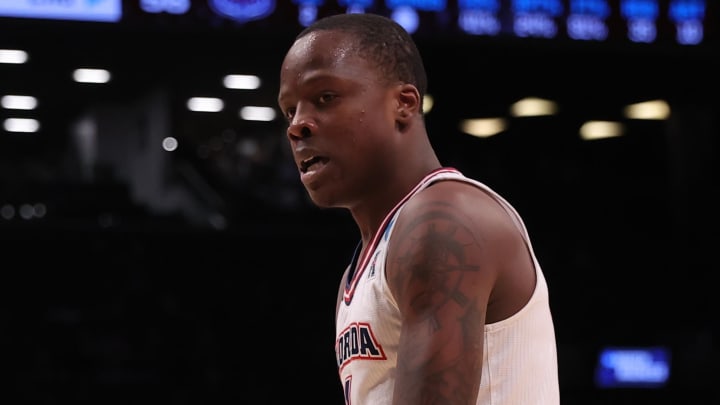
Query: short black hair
(381, 40)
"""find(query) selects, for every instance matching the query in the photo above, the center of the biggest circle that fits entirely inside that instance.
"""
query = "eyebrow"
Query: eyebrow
(310, 79)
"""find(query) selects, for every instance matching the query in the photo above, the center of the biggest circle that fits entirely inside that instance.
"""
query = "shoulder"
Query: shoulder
(451, 227)
(475, 208)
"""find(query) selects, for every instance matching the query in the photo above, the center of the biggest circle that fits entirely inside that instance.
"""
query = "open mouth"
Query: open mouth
(308, 163)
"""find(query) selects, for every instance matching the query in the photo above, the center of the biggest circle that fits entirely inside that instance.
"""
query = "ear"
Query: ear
(408, 103)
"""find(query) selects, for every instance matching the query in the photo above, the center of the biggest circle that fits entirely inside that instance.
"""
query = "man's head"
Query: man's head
(382, 41)
(351, 88)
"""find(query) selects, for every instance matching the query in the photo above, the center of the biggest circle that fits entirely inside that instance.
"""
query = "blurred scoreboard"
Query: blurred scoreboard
(683, 22)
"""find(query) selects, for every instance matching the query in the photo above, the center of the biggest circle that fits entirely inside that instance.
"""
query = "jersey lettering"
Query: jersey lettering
(357, 341)
(346, 389)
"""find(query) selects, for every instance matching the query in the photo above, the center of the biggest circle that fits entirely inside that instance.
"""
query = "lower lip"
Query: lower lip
(312, 175)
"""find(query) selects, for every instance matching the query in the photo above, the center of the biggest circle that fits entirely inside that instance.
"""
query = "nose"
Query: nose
(298, 132)
(301, 127)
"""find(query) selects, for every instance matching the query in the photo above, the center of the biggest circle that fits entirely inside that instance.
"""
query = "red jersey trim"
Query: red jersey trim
(360, 269)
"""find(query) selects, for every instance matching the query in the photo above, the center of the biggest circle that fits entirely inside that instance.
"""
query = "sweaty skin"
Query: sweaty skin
(352, 122)
(456, 260)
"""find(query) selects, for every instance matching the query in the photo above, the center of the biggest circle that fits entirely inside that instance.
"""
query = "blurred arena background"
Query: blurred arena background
(157, 243)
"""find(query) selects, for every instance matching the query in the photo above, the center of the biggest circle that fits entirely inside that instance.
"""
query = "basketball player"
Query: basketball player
(444, 301)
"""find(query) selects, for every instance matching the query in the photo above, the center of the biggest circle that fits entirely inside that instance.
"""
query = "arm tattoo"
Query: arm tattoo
(431, 271)
(433, 251)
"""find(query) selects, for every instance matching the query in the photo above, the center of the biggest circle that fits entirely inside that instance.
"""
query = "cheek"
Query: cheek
(366, 131)
(377, 120)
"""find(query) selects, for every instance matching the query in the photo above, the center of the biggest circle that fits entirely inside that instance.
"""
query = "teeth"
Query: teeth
(305, 164)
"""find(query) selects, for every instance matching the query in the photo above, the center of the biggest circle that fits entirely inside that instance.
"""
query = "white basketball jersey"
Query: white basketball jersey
(519, 364)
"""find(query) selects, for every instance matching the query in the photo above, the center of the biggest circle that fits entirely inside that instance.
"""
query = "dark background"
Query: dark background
(191, 278)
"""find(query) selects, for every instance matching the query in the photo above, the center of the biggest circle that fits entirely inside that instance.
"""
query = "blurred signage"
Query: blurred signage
(684, 22)
(479, 17)
(633, 367)
(427, 5)
(165, 6)
(307, 11)
(243, 10)
(536, 18)
(587, 20)
(688, 16)
(85, 10)
(356, 6)
(641, 17)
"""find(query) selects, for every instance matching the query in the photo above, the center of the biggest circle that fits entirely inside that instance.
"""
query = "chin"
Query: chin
(323, 200)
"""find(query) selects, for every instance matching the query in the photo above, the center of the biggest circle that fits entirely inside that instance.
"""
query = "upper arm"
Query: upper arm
(441, 273)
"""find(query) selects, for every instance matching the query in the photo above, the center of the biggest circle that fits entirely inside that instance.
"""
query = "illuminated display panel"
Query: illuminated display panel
(683, 22)
(633, 367)
(89, 10)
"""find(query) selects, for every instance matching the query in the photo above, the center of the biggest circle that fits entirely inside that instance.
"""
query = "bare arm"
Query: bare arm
(440, 274)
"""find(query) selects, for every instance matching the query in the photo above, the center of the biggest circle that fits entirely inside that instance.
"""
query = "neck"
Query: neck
(369, 215)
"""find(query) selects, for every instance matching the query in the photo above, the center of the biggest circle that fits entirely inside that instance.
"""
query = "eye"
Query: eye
(326, 98)
(289, 114)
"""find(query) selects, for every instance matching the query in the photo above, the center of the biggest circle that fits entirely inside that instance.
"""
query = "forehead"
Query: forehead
(321, 50)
